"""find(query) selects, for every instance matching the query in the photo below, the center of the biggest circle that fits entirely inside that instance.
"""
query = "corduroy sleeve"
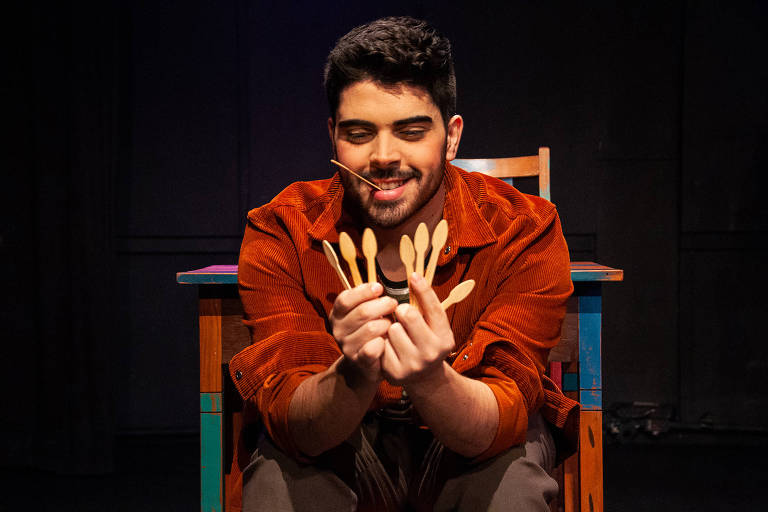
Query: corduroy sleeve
(511, 341)
(289, 339)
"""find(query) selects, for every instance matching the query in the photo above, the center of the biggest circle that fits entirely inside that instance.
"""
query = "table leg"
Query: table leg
(571, 483)
(591, 460)
(211, 491)
(591, 399)
(211, 470)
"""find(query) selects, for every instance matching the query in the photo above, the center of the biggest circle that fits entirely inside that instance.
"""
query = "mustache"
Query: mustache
(390, 174)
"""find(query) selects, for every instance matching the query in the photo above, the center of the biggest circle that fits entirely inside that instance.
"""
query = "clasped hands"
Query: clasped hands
(407, 350)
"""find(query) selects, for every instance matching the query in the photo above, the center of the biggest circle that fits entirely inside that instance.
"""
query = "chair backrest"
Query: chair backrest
(514, 167)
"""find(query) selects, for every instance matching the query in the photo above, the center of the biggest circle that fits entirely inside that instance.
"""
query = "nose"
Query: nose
(385, 152)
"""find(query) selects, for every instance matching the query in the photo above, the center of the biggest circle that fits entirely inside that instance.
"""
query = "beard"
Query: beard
(390, 214)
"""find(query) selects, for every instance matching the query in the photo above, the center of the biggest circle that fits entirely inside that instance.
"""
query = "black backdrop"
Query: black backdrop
(141, 133)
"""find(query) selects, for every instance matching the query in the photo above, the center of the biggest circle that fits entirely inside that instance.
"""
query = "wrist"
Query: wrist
(426, 383)
(355, 377)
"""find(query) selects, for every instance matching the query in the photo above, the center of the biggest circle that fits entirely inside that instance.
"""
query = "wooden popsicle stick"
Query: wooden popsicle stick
(459, 293)
(407, 255)
(420, 243)
(334, 261)
(369, 251)
(349, 254)
(353, 173)
(439, 237)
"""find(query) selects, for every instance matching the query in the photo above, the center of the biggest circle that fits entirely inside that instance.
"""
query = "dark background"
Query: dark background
(140, 133)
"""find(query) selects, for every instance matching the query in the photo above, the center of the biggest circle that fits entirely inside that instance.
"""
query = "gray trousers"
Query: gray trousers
(388, 466)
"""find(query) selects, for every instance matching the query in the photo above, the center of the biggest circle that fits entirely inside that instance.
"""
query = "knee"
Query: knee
(510, 482)
(276, 482)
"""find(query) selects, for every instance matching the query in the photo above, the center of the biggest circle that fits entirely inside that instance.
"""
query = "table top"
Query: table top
(227, 274)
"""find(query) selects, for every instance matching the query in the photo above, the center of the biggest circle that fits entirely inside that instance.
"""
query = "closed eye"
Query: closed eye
(412, 133)
(358, 137)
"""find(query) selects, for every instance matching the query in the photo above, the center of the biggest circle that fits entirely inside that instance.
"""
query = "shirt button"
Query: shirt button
(238, 375)
(447, 249)
(466, 356)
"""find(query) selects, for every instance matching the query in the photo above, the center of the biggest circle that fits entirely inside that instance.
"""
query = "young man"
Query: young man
(369, 404)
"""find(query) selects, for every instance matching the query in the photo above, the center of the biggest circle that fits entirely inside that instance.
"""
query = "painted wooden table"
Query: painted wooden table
(575, 365)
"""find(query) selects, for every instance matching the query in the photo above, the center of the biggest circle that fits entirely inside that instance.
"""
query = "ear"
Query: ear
(453, 137)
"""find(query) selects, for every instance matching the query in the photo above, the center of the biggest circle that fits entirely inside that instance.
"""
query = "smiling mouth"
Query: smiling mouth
(391, 184)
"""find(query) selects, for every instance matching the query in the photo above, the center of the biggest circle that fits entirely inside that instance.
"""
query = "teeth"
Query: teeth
(391, 185)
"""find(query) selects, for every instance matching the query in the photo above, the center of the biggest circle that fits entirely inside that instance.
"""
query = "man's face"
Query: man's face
(396, 138)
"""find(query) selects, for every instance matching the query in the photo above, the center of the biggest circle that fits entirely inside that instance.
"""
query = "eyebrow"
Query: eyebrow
(413, 119)
(355, 122)
(400, 122)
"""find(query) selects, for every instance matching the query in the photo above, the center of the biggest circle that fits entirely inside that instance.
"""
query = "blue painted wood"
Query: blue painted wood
(211, 474)
(591, 399)
(210, 402)
(590, 304)
(570, 382)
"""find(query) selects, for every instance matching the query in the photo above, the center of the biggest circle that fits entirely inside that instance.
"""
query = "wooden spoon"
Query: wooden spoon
(334, 261)
(353, 173)
(420, 243)
(407, 255)
(369, 251)
(458, 294)
(349, 254)
(439, 237)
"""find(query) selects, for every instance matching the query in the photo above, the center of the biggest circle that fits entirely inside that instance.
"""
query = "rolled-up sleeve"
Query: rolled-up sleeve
(289, 337)
(509, 345)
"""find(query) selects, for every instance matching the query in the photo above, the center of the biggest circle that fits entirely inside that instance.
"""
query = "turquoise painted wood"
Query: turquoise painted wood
(210, 402)
(211, 474)
(214, 274)
(580, 275)
(570, 382)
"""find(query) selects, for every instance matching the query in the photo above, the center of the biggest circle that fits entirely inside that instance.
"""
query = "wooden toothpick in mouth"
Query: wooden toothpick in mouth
(355, 174)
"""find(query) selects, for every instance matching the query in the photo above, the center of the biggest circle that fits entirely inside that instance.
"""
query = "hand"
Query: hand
(418, 342)
(359, 324)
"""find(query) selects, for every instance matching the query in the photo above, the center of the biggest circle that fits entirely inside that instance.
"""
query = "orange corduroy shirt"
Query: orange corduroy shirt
(510, 243)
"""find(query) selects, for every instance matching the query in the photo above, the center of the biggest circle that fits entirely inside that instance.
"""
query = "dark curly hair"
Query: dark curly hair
(391, 51)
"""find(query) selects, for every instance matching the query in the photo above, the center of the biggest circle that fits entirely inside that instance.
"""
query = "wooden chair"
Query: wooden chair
(508, 169)
(577, 491)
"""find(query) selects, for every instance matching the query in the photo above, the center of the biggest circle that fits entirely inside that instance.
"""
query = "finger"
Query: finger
(347, 300)
(390, 364)
(371, 352)
(372, 309)
(430, 305)
(416, 329)
(401, 343)
(365, 333)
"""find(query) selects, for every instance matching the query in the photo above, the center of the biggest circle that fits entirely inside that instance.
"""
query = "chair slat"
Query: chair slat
(515, 167)
(512, 167)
